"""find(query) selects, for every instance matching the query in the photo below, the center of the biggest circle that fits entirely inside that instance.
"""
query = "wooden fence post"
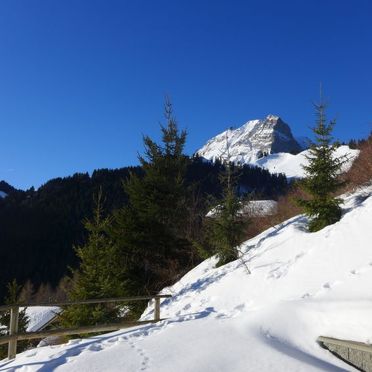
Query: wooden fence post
(13, 329)
(157, 309)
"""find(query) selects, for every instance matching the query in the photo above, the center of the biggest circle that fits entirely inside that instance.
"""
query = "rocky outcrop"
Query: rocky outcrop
(251, 141)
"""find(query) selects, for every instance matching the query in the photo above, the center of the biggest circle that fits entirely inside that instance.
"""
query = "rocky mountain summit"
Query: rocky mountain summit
(252, 141)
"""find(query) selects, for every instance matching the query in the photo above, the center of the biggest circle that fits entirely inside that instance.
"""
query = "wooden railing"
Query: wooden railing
(356, 354)
(13, 336)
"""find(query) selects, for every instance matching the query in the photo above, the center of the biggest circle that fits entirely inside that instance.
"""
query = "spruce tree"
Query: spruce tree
(98, 275)
(150, 229)
(322, 175)
(12, 297)
(225, 229)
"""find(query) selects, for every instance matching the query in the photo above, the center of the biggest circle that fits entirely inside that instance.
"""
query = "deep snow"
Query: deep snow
(302, 285)
(292, 165)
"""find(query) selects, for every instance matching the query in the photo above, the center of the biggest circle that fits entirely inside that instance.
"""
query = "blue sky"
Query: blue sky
(81, 81)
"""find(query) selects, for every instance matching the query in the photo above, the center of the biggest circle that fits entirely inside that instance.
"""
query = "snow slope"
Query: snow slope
(291, 165)
(270, 136)
(301, 286)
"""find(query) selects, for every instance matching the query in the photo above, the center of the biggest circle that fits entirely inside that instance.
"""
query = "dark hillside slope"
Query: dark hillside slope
(39, 228)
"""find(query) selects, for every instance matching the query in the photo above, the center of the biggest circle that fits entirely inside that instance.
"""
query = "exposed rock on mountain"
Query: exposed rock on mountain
(251, 141)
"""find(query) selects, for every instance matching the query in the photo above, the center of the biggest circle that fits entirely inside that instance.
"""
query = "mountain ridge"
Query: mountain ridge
(251, 141)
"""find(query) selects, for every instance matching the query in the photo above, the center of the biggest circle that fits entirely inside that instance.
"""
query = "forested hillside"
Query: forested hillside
(38, 228)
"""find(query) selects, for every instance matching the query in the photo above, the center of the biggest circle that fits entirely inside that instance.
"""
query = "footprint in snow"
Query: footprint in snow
(112, 340)
(222, 316)
(278, 271)
(299, 256)
(187, 307)
(361, 270)
(330, 285)
(31, 354)
(72, 353)
(94, 347)
(239, 307)
(141, 353)
(307, 295)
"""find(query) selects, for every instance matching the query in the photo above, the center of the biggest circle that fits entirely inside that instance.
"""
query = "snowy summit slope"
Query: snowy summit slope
(266, 143)
(302, 285)
(250, 141)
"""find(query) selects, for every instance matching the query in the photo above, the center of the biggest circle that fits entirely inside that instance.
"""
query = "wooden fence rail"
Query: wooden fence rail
(357, 354)
(13, 335)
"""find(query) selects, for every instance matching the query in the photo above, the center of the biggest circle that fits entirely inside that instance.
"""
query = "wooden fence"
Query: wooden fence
(13, 336)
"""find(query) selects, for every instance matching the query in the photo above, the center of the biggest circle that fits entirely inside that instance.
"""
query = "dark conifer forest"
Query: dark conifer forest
(39, 228)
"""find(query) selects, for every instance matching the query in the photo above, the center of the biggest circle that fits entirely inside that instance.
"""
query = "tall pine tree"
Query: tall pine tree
(150, 230)
(322, 175)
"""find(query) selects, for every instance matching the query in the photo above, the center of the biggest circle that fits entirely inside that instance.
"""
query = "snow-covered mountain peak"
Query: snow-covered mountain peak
(272, 117)
(251, 141)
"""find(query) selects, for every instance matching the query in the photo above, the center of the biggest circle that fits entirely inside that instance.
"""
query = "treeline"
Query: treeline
(358, 143)
(39, 228)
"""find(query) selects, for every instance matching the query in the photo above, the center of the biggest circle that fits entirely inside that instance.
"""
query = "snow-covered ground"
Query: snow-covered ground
(291, 165)
(302, 285)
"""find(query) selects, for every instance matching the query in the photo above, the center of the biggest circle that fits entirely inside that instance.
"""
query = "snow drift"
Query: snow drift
(302, 285)
(292, 165)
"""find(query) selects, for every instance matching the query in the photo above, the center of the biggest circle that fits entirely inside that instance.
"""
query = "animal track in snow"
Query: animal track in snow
(141, 353)
(279, 271)
(350, 275)
(327, 286)
(306, 295)
(282, 268)
(330, 285)
(94, 347)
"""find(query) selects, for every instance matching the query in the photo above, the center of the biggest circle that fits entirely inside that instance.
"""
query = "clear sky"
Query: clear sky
(81, 81)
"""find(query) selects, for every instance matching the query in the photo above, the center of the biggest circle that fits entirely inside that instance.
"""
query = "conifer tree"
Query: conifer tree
(12, 297)
(321, 175)
(225, 229)
(98, 275)
(150, 229)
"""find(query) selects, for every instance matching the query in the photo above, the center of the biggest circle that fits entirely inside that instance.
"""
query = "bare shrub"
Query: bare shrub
(286, 208)
(360, 172)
